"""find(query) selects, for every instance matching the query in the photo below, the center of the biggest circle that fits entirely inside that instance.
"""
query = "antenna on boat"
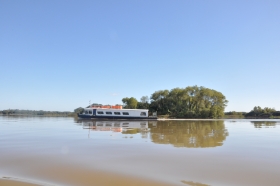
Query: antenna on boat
(89, 104)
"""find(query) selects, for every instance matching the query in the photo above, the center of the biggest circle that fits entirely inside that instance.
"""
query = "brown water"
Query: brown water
(64, 151)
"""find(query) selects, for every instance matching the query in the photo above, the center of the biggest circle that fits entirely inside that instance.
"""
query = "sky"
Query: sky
(60, 55)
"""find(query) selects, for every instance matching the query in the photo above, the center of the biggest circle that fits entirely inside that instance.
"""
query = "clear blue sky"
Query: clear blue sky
(58, 55)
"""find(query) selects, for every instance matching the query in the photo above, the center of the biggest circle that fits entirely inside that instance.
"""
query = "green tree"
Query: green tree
(8, 111)
(144, 103)
(130, 103)
(79, 110)
(144, 99)
(159, 102)
(261, 113)
(189, 102)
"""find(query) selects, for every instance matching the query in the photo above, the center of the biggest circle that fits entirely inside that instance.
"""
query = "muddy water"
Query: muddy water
(64, 151)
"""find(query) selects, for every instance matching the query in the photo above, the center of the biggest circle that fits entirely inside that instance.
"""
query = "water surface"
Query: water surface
(65, 151)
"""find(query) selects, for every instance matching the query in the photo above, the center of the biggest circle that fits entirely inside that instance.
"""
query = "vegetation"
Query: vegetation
(144, 103)
(36, 113)
(234, 115)
(189, 102)
(130, 103)
(79, 110)
(194, 102)
(257, 112)
(266, 112)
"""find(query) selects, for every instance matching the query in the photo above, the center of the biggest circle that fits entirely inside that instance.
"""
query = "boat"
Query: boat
(111, 112)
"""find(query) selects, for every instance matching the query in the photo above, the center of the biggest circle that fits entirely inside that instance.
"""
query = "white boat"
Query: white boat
(109, 113)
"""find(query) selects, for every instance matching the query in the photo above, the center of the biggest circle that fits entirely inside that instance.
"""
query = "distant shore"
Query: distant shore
(158, 119)
(30, 115)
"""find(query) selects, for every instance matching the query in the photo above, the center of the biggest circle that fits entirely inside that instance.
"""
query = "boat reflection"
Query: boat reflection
(125, 127)
(191, 134)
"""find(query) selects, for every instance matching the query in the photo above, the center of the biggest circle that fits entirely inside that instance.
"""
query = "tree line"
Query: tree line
(256, 112)
(265, 112)
(189, 102)
(36, 112)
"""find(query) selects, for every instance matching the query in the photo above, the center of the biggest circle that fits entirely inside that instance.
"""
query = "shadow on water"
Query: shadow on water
(190, 134)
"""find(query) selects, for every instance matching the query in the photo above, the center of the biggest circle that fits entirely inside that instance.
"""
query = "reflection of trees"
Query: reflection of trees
(192, 134)
(131, 131)
(261, 124)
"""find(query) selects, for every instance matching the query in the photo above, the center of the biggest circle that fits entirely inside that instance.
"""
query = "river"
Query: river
(57, 151)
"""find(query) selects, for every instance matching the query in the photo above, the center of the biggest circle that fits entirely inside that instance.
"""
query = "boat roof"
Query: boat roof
(117, 109)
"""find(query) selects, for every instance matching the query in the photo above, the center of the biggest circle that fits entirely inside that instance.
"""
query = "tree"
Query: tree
(159, 101)
(8, 111)
(262, 113)
(130, 103)
(144, 99)
(189, 102)
(79, 110)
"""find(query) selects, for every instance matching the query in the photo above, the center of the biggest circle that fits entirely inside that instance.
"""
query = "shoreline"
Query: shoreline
(158, 119)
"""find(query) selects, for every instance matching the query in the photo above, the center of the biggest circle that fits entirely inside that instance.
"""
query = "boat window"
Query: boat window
(143, 114)
(125, 113)
(100, 112)
(86, 112)
(90, 112)
(108, 112)
(117, 113)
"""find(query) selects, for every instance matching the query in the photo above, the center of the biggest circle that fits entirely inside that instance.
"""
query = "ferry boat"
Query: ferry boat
(111, 112)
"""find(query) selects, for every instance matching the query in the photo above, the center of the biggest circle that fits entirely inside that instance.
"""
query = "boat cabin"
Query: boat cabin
(114, 113)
